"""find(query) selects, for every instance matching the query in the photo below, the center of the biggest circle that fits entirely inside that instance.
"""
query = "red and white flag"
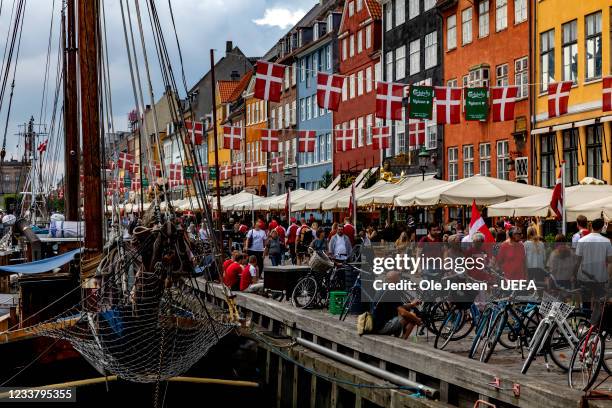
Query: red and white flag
(389, 100)
(125, 160)
(344, 139)
(448, 105)
(232, 135)
(606, 104)
(176, 172)
(195, 132)
(155, 168)
(136, 184)
(269, 81)
(558, 98)
(237, 168)
(416, 134)
(306, 141)
(329, 90)
(381, 137)
(504, 100)
(478, 224)
(558, 195)
(43, 146)
(269, 140)
(226, 172)
(277, 164)
(251, 169)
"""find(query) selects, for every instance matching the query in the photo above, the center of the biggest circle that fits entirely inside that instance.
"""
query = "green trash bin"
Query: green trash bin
(336, 301)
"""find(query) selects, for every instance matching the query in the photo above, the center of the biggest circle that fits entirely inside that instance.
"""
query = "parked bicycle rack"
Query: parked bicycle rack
(516, 387)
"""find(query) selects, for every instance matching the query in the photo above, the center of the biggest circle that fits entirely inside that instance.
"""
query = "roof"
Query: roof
(241, 86)
(375, 9)
(226, 89)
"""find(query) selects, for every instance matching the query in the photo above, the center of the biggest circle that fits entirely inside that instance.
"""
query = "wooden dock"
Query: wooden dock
(459, 380)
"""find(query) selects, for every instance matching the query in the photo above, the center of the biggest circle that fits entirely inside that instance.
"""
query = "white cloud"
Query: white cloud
(280, 17)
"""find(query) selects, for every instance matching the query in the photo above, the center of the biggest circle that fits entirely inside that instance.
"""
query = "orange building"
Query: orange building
(486, 43)
(256, 119)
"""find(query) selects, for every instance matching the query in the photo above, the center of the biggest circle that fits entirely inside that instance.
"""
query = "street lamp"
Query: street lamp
(423, 161)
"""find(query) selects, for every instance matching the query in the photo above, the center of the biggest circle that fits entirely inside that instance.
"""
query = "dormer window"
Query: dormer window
(330, 22)
(316, 32)
(300, 38)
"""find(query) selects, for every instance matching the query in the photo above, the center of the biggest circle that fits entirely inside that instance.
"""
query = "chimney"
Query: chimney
(235, 76)
(228, 47)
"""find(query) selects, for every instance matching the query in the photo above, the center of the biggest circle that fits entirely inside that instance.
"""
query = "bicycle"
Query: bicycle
(313, 289)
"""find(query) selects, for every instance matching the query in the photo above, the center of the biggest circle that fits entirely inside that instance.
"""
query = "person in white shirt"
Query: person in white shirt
(340, 245)
(583, 230)
(255, 244)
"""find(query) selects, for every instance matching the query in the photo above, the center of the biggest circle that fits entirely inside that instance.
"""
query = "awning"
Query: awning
(44, 265)
(540, 131)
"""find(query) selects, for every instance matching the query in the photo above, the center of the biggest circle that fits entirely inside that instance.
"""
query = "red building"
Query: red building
(486, 43)
(359, 42)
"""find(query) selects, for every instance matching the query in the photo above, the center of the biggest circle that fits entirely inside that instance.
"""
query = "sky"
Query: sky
(252, 25)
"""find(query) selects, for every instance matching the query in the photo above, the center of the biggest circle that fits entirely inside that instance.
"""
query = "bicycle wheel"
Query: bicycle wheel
(436, 316)
(465, 327)
(586, 361)
(497, 328)
(449, 327)
(305, 292)
(534, 345)
(559, 349)
(348, 303)
(481, 331)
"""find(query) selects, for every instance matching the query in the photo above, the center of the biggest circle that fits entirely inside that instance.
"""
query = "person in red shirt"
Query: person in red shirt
(511, 258)
(248, 276)
(291, 238)
(231, 277)
(349, 230)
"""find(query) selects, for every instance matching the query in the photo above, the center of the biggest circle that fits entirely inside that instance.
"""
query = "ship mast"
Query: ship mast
(89, 39)
(71, 125)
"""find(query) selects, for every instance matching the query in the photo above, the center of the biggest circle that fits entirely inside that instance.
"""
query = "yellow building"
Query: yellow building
(571, 42)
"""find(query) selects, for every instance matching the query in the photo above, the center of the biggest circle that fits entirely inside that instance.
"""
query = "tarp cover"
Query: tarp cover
(44, 265)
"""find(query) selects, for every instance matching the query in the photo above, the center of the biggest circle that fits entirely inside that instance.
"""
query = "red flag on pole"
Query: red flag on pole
(477, 224)
(556, 202)
(352, 202)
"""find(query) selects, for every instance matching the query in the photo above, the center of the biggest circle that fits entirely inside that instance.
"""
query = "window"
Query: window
(351, 86)
(478, 77)
(570, 51)
(468, 161)
(400, 134)
(345, 90)
(352, 45)
(466, 26)
(400, 62)
(570, 155)
(431, 50)
(351, 8)
(293, 73)
(359, 5)
(451, 32)
(272, 118)
(328, 56)
(280, 116)
(308, 71)
(287, 115)
(521, 77)
(330, 22)
(413, 8)
(502, 159)
(322, 148)
(547, 160)
(368, 79)
(293, 112)
(359, 83)
(315, 63)
(389, 66)
(328, 143)
(547, 58)
(369, 129)
(344, 49)
(388, 16)
(520, 11)
(315, 110)
(429, 4)
(501, 75)
(453, 166)
(501, 15)
(415, 57)
(359, 41)
(593, 147)
(431, 133)
(368, 37)
(248, 114)
(315, 32)
(452, 83)
(483, 19)
(360, 132)
(400, 12)
(352, 126)
(302, 70)
(484, 154)
(593, 45)
(377, 72)
(308, 109)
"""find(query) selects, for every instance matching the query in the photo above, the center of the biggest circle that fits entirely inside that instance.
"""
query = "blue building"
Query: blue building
(317, 53)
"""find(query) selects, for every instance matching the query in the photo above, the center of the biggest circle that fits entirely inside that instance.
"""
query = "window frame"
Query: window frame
(547, 160)
(484, 159)
(594, 145)
(452, 163)
(484, 19)
(593, 37)
(468, 160)
(549, 53)
(501, 15)
(400, 62)
(520, 6)
(467, 30)
(415, 57)
(502, 170)
(571, 45)
(451, 45)
(431, 50)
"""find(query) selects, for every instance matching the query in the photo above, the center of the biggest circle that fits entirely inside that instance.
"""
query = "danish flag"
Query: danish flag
(195, 133)
(269, 140)
(504, 100)
(277, 164)
(416, 132)
(226, 172)
(232, 135)
(176, 172)
(381, 137)
(268, 81)
(156, 169)
(344, 139)
(125, 160)
(478, 224)
(389, 100)
(136, 184)
(237, 168)
(306, 141)
(448, 105)
(558, 98)
(251, 169)
(329, 90)
(556, 202)
(43, 146)
(607, 94)
(134, 168)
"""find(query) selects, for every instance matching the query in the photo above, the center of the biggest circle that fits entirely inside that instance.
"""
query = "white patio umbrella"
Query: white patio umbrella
(387, 194)
(312, 201)
(241, 198)
(341, 199)
(538, 205)
(279, 203)
(592, 209)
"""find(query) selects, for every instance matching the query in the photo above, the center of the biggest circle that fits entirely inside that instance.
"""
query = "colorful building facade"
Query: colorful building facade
(256, 119)
(571, 42)
(486, 44)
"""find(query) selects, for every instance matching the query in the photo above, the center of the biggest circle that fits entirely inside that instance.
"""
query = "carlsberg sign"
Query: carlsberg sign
(476, 103)
(421, 102)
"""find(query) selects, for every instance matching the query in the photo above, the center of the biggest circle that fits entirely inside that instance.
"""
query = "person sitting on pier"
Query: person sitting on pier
(231, 277)
(392, 317)
(248, 278)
